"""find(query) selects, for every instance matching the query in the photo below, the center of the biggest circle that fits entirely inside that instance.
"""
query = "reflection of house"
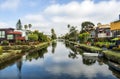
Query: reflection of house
(10, 34)
(115, 28)
(103, 31)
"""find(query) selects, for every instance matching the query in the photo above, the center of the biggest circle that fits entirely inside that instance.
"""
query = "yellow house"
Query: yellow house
(115, 25)
(115, 28)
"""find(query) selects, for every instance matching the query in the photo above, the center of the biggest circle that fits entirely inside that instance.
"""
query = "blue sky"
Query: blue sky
(47, 14)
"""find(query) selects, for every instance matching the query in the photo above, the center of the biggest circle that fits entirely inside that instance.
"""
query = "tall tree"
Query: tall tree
(19, 25)
(87, 26)
(53, 34)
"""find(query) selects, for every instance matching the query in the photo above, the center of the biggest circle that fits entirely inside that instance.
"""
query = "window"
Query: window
(2, 34)
(9, 37)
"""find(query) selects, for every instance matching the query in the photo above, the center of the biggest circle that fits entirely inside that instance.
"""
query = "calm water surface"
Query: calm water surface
(58, 61)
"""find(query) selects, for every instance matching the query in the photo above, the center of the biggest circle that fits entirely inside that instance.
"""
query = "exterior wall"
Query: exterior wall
(115, 28)
(5, 30)
(104, 35)
(103, 32)
(11, 35)
(24, 33)
(115, 25)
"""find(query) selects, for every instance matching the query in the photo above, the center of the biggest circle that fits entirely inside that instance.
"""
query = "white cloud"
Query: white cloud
(59, 15)
(9, 4)
(3, 25)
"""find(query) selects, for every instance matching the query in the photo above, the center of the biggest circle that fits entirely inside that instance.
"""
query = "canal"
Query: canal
(58, 61)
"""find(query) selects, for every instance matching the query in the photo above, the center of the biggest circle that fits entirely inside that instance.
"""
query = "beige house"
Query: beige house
(103, 31)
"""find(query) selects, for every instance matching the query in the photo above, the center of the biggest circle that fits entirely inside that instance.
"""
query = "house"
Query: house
(115, 28)
(103, 31)
(92, 33)
(10, 34)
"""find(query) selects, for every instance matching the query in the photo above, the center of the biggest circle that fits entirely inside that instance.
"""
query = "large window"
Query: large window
(2, 34)
(9, 37)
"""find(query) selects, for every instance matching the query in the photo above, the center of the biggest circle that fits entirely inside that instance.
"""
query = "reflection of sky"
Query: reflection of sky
(58, 66)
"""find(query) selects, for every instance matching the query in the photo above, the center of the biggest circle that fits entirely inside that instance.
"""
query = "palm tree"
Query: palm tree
(29, 25)
(25, 26)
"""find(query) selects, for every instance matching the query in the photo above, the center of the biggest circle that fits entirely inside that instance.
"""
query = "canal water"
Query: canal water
(60, 60)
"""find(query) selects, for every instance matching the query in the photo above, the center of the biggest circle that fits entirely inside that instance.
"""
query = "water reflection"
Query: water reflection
(36, 55)
(89, 60)
(65, 63)
(8, 63)
(54, 44)
(19, 67)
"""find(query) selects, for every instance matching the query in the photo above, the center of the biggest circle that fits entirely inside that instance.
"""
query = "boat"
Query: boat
(91, 54)
(115, 66)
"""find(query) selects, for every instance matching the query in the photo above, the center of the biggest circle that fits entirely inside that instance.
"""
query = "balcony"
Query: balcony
(103, 35)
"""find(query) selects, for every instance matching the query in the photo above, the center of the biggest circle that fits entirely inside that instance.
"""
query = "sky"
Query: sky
(57, 14)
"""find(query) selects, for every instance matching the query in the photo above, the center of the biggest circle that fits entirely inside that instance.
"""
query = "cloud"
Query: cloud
(3, 25)
(59, 15)
(9, 4)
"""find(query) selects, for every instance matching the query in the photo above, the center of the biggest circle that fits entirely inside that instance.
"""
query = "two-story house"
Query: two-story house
(103, 31)
(10, 35)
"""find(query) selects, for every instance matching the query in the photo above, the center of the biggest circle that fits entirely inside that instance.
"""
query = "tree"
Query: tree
(33, 37)
(41, 36)
(68, 25)
(29, 25)
(87, 26)
(25, 26)
(73, 34)
(53, 34)
(83, 37)
(19, 25)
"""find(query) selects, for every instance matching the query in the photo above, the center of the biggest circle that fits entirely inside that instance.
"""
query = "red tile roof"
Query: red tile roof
(15, 32)
(20, 38)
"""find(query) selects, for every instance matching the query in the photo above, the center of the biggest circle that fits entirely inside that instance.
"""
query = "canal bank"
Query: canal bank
(109, 54)
(14, 52)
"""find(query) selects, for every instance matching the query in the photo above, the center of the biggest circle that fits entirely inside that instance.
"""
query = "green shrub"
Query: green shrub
(33, 37)
(18, 42)
(5, 42)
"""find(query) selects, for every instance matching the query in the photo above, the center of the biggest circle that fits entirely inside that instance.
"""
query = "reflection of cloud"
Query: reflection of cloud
(61, 64)
(40, 62)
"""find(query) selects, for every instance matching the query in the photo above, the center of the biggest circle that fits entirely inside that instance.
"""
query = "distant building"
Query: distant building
(10, 34)
(103, 31)
(115, 28)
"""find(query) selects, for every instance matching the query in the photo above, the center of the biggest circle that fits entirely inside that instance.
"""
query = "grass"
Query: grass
(11, 52)
(89, 48)
(112, 55)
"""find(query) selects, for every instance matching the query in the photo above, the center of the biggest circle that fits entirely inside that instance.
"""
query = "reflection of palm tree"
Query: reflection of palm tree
(54, 44)
(19, 66)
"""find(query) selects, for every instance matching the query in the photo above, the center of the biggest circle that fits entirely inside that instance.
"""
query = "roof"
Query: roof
(104, 26)
(20, 38)
(116, 21)
(7, 28)
(14, 32)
